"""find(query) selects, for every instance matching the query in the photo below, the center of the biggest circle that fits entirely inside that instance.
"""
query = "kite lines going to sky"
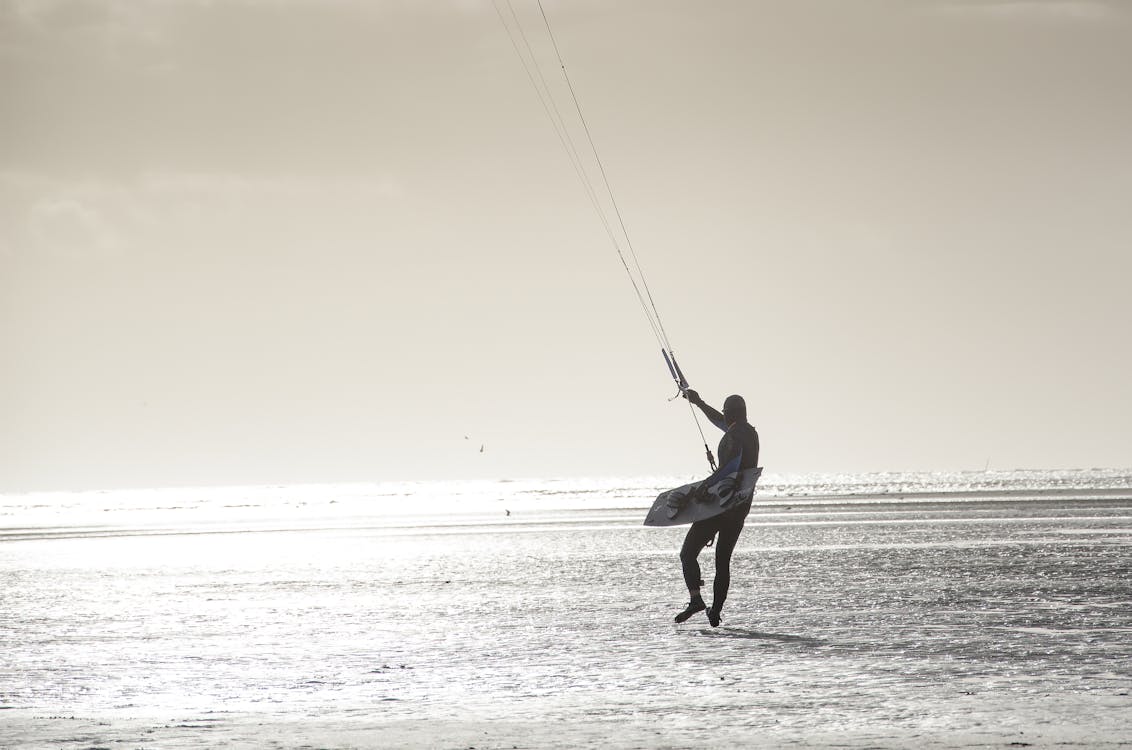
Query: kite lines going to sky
(604, 203)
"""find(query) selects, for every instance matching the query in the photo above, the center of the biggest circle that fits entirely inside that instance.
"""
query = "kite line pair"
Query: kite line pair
(610, 217)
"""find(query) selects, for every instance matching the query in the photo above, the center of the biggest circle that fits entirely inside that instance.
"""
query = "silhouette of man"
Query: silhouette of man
(739, 437)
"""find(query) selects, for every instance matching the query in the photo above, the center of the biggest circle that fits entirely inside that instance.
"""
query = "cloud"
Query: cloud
(64, 218)
(52, 34)
(229, 186)
(114, 18)
(83, 218)
(1052, 10)
(69, 228)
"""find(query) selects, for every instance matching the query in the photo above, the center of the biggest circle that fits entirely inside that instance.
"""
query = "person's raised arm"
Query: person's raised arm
(713, 416)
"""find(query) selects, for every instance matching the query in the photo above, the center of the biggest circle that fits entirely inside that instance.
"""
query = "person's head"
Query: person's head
(734, 410)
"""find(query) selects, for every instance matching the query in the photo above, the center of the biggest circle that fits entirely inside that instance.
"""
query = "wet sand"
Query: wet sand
(980, 622)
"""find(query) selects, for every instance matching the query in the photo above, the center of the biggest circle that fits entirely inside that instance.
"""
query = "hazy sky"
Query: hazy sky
(259, 241)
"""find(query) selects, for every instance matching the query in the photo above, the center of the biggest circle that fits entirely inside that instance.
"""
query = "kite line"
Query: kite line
(521, 43)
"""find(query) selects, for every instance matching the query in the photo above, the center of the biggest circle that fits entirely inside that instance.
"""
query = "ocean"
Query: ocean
(986, 609)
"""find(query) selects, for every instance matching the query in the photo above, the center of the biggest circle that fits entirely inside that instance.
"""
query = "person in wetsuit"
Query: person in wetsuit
(738, 436)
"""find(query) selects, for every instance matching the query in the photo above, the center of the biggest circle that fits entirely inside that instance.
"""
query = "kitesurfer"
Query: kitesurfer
(739, 439)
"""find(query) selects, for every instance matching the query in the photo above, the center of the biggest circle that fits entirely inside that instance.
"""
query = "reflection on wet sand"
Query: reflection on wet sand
(961, 624)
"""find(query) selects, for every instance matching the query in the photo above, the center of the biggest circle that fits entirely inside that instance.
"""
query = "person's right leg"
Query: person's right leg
(697, 538)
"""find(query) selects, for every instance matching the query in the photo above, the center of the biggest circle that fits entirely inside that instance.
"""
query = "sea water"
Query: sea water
(892, 610)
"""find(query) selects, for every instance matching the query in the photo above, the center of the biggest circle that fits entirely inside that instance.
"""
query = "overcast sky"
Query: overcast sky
(282, 241)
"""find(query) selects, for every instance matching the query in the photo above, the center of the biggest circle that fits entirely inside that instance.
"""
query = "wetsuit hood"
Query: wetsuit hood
(734, 410)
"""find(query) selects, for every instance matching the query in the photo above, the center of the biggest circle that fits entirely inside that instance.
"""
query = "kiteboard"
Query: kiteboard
(725, 489)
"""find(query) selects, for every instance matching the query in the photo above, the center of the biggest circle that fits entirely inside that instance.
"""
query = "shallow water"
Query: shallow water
(336, 618)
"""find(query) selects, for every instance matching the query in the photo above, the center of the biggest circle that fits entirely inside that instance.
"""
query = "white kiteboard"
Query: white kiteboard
(725, 489)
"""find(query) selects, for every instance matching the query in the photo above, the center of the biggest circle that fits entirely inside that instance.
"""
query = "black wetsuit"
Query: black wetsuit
(740, 437)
